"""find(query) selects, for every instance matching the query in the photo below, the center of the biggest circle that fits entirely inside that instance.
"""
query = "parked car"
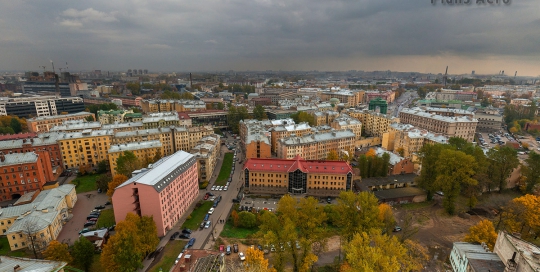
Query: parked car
(397, 229)
(184, 236)
(205, 197)
(225, 188)
(212, 198)
(89, 223)
(188, 231)
(85, 230)
(191, 242)
(440, 193)
(107, 203)
(213, 188)
(235, 248)
(219, 199)
(221, 248)
(93, 219)
(111, 228)
(202, 225)
(207, 225)
(100, 207)
(206, 217)
(215, 204)
(211, 211)
(228, 252)
(242, 256)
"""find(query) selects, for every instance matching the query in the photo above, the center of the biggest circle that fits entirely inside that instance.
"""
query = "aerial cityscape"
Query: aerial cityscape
(269, 136)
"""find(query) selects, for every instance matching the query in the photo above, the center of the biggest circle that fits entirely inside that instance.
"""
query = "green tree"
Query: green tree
(220, 106)
(454, 169)
(258, 113)
(16, 125)
(531, 171)
(301, 117)
(83, 253)
(235, 115)
(429, 155)
(134, 87)
(127, 163)
(102, 166)
(247, 219)
(147, 232)
(358, 212)
(102, 182)
(502, 162)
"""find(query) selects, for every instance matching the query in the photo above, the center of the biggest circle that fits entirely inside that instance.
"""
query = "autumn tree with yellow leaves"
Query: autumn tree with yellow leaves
(255, 261)
(135, 237)
(522, 215)
(57, 251)
(116, 181)
(483, 232)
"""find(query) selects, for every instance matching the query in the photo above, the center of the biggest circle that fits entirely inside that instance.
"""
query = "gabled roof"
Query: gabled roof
(306, 166)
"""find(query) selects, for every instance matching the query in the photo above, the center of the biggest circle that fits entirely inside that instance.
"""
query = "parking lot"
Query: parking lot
(85, 204)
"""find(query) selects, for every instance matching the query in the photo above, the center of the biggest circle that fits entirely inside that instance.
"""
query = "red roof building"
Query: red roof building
(297, 176)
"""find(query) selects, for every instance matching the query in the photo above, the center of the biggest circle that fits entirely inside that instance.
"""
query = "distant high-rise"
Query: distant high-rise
(145, 71)
(140, 72)
(134, 71)
(472, 73)
(129, 71)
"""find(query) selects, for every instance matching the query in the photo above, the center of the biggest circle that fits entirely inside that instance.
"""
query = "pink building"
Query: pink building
(164, 191)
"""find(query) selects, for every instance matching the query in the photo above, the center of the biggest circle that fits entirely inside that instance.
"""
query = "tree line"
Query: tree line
(12, 124)
(371, 165)
(461, 168)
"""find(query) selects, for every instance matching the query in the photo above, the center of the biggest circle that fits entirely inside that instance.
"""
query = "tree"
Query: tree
(429, 155)
(34, 237)
(531, 170)
(247, 219)
(123, 250)
(483, 232)
(127, 163)
(358, 212)
(57, 251)
(220, 106)
(454, 169)
(16, 125)
(523, 215)
(301, 116)
(102, 166)
(236, 218)
(375, 252)
(258, 113)
(332, 156)
(147, 232)
(235, 115)
(502, 163)
(116, 181)
(255, 261)
(102, 182)
(157, 157)
(387, 217)
(83, 253)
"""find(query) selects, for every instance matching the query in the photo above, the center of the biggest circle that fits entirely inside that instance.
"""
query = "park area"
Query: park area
(226, 168)
(197, 216)
(167, 256)
(85, 183)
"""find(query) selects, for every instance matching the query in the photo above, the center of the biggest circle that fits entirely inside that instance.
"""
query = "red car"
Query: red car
(93, 219)
(221, 248)
(205, 196)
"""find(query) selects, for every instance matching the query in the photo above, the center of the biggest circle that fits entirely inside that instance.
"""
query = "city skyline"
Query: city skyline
(270, 35)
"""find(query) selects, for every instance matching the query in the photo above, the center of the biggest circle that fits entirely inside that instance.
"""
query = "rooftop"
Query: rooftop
(306, 166)
(122, 125)
(317, 137)
(156, 176)
(529, 251)
(394, 158)
(18, 158)
(399, 192)
(478, 258)
(134, 146)
(52, 117)
(365, 183)
(29, 265)
(420, 112)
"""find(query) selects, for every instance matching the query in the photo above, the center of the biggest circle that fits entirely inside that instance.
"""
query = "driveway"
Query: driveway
(85, 204)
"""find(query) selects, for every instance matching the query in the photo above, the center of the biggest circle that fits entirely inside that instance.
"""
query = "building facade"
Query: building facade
(344, 121)
(316, 146)
(25, 107)
(45, 123)
(463, 126)
(86, 148)
(164, 191)
(373, 123)
(206, 152)
(144, 151)
(297, 176)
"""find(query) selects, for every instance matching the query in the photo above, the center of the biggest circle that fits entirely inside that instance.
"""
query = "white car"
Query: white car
(242, 256)
(212, 198)
(211, 211)
(225, 188)
(213, 188)
(221, 188)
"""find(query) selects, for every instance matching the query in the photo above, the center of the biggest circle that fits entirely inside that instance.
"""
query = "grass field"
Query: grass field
(229, 231)
(85, 183)
(225, 170)
(197, 216)
(106, 219)
(6, 251)
(170, 253)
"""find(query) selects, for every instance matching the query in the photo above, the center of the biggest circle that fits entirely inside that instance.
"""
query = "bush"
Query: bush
(203, 185)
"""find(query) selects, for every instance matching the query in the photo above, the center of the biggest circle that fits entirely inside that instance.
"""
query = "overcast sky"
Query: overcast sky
(209, 35)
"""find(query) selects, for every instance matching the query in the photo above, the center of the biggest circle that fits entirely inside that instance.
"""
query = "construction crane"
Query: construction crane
(515, 74)
(445, 77)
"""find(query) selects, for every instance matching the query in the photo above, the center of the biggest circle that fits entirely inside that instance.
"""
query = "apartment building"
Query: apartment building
(286, 130)
(344, 121)
(161, 119)
(324, 117)
(25, 107)
(144, 151)
(24, 264)
(398, 164)
(23, 172)
(43, 218)
(488, 120)
(351, 98)
(373, 123)
(43, 143)
(450, 112)
(297, 176)
(255, 139)
(466, 257)
(164, 191)
(75, 126)
(462, 126)
(388, 96)
(206, 153)
(45, 123)
(517, 254)
(407, 140)
(150, 106)
(196, 134)
(447, 94)
(316, 146)
(117, 127)
(118, 116)
(86, 148)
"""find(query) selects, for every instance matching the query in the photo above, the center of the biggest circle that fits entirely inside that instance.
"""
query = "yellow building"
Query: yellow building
(45, 123)
(206, 153)
(297, 177)
(42, 219)
(161, 119)
(373, 123)
(316, 146)
(351, 98)
(149, 106)
(197, 133)
(144, 151)
(279, 132)
(86, 148)
(324, 117)
(408, 140)
(344, 121)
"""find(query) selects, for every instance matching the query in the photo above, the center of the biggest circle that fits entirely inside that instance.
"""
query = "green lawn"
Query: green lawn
(170, 253)
(85, 183)
(225, 170)
(106, 219)
(229, 231)
(6, 251)
(197, 216)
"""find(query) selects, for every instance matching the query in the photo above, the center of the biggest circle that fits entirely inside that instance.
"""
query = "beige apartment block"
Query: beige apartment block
(85, 148)
(373, 123)
(344, 121)
(408, 140)
(144, 151)
(316, 146)
(351, 98)
(45, 123)
(283, 131)
(461, 126)
(206, 153)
